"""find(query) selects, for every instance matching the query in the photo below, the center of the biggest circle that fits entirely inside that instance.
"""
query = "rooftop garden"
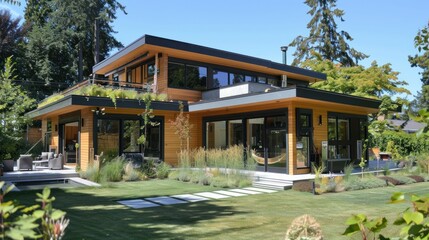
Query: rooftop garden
(95, 90)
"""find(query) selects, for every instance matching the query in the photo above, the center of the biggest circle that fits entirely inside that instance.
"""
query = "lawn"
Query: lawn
(95, 214)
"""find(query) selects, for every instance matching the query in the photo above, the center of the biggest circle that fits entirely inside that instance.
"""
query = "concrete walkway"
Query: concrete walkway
(191, 198)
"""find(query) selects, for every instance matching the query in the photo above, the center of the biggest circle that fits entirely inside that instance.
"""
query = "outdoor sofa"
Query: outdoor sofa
(25, 162)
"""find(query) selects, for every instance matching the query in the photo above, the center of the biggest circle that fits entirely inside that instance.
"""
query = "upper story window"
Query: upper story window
(182, 75)
(200, 76)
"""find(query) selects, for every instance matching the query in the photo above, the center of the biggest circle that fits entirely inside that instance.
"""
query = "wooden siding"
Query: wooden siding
(33, 135)
(86, 138)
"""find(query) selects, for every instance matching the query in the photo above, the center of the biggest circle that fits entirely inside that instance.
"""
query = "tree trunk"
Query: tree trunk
(96, 41)
(80, 64)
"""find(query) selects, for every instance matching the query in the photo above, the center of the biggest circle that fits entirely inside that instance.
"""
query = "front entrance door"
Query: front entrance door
(70, 142)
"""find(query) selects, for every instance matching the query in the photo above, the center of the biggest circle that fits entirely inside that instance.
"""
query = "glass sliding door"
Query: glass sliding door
(276, 147)
(255, 141)
(267, 142)
(235, 132)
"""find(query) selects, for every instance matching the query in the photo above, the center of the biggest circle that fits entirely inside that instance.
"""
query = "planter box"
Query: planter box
(8, 165)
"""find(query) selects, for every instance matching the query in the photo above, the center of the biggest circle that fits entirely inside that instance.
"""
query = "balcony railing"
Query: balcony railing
(139, 87)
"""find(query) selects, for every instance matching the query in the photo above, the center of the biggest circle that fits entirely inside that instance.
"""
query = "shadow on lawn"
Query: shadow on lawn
(101, 217)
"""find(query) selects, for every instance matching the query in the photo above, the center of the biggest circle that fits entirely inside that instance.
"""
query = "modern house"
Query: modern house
(232, 98)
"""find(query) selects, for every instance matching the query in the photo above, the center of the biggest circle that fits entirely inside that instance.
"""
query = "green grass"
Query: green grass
(95, 214)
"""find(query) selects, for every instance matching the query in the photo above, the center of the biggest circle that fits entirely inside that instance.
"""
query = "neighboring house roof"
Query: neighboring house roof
(409, 126)
(168, 43)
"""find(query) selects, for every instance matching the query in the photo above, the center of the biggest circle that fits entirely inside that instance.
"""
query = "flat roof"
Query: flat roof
(294, 92)
(78, 100)
(168, 43)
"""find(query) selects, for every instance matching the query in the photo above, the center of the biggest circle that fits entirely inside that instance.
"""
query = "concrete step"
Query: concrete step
(272, 185)
(267, 179)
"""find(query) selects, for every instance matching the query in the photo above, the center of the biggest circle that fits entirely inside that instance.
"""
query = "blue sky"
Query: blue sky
(383, 29)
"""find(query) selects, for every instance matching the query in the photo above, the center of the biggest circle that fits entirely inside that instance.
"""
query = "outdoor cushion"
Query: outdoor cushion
(47, 155)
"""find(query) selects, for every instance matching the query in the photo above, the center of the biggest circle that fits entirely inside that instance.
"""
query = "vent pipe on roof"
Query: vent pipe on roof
(284, 50)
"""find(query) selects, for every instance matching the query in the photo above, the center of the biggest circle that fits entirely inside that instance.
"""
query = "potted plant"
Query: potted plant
(8, 163)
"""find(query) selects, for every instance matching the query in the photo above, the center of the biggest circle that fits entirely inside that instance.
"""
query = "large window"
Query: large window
(118, 134)
(220, 79)
(108, 137)
(339, 138)
(130, 136)
(182, 75)
(176, 75)
(196, 77)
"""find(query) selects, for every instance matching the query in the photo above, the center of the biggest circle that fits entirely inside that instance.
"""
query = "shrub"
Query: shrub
(92, 173)
(303, 186)
(131, 174)
(148, 168)
(113, 170)
(185, 175)
(174, 175)
(423, 162)
(220, 181)
(357, 183)
(162, 170)
(304, 227)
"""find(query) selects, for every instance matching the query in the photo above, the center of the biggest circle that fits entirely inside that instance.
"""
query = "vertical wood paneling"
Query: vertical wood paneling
(86, 138)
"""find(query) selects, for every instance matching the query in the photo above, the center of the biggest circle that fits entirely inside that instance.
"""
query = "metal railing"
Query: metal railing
(139, 87)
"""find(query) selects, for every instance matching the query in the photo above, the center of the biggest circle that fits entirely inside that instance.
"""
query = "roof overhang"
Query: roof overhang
(144, 43)
(89, 101)
(289, 93)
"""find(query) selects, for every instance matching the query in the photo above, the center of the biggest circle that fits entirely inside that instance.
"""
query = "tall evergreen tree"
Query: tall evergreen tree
(324, 37)
(12, 36)
(14, 102)
(422, 61)
(62, 31)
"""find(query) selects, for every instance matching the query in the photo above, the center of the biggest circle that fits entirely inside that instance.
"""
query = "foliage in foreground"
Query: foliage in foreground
(40, 221)
(414, 221)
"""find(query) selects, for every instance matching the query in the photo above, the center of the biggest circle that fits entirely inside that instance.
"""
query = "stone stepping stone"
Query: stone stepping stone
(260, 190)
(245, 191)
(165, 200)
(211, 195)
(190, 198)
(229, 193)
(138, 203)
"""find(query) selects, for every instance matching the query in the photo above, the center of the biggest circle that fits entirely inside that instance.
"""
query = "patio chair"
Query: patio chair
(43, 159)
(56, 163)
(25, 162)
